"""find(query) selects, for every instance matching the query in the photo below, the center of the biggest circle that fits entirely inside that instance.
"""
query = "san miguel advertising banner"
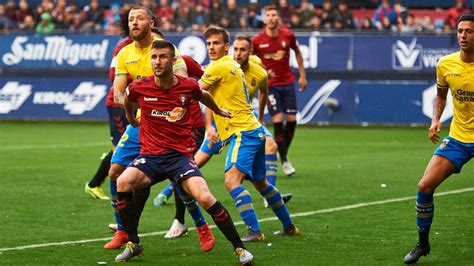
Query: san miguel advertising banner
(320, 52)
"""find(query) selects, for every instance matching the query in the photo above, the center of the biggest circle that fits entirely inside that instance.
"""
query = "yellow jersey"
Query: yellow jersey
(256, 78)
(135, 61)
(458, 76)
(256, 59)
(227, 86)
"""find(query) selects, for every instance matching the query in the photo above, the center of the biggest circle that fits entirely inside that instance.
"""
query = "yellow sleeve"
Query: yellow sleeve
(180, 64)
(264, 84)
(440, 78)
(121, 69)
(211, 76)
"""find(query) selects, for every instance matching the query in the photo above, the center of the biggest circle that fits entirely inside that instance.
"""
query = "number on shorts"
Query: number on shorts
(271, 99)
(123, 139)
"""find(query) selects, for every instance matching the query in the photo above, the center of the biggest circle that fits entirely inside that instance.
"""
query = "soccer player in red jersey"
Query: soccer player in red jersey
(167, 147)
(273, 46)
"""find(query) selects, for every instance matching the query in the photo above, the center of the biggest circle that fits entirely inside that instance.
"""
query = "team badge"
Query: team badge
(254, 82)
(444, 144)
(182, 97)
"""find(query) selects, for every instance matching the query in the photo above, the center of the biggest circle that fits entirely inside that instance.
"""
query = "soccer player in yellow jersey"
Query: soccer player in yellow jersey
(243, 133)
(454, 72)
(134, 61)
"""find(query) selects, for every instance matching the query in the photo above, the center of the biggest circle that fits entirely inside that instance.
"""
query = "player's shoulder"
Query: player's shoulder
(285, 32)
(142, 82)
(449, 58)
(126, 50)
(121, 44)
(257, 70)
(187, 80)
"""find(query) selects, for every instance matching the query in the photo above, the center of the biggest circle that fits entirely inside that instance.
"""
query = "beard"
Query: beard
(140, 36)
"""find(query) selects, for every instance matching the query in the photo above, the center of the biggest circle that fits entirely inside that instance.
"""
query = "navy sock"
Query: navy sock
(129, 214)
(280, 140)
(424, 215)
(290, 128)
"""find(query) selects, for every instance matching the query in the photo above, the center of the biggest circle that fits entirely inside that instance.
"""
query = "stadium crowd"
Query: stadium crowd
(194, 15)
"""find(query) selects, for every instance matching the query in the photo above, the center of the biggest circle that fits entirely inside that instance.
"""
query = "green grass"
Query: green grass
(44, 166)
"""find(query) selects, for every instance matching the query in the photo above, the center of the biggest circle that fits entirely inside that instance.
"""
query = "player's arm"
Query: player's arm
(438, 107)
(120, 83)
(130, 107)
(211, 132)
(302, 82)
(262, 99)
(209, 102)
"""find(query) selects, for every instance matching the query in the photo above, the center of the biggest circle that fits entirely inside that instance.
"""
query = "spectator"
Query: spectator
(254, 17)
(328, 14)
(344, 15)
(398, 13)
(46, 24)
(150, 4)
(410, 25)
(216, 13)
(5, 23)
(201, 17)
(455, 12)
(112, 20)
(22, 11)
(386, 25)
(60, 22)
(244, 25)
(286, 10)
(382, 11)
(295, 21)
(232, 12)
(315, 23)
(184, 14)
(164, 10)
(427, 25)
(94, 16)
(365, 24)
(28, 25)
(305, 12)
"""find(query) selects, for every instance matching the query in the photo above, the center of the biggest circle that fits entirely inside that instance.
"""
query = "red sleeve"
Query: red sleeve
(197, 93)
(255, 45)
(293, 43)
(194, 69)
(131, 92)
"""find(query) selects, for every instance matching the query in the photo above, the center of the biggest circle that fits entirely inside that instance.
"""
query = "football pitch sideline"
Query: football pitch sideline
(353, 201)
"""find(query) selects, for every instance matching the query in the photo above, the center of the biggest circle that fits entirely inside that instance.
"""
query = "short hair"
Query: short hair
(466, 17)
(217, 30)
(162, 44)
(270, 8)
(157, 31)
(243, 37)
(147, 10)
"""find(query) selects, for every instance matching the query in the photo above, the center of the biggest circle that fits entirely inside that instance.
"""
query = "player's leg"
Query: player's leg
(93, 186)
(132, 179)
(239, 161)
(447, 159)
(127, 149)
(162, 197)
(290, 110)
(270, 192)
(275, 108)
(197, 187)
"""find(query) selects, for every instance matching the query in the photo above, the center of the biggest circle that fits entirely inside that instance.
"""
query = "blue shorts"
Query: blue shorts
(458, 153)
(117, 123)
(267, 132)
(247, 153)
(128, 148)
(173, 166)
(282, 99)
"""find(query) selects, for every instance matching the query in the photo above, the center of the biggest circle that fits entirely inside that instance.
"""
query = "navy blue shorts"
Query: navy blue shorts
(199, 134)
(282, 99)
(173, 166)
(117, 123)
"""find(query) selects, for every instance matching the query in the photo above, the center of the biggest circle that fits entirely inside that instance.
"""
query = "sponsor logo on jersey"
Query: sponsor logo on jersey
(13, 95)
(264, 45)
(171, 116)
(58, 49)
(150, 99)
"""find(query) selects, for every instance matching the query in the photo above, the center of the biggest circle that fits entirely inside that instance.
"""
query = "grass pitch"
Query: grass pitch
(345, 180)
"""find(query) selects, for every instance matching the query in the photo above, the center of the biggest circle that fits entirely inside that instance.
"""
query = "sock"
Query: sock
(424, 215)
(274, 200)
(224, 222)
(243, 202)
(128, 213)
(180, 208)
(290, 128)
(140, 197)
(113, 196)
(280, 140)
(168, 190)
(192, 206)
(271, 167)
(102, 172)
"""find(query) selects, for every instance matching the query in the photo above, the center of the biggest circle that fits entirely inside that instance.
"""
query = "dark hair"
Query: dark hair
(162, 44)
(147, 10)
(124, 23)
(217, 30)
(466, 17)
(243, 37)
(157, 31)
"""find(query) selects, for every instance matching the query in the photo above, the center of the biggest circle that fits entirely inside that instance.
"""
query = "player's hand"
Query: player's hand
(224, 113)
(302, 82)
(261, 121)
(212, 135)
(433, 131)
(133, 121)
(271, 74)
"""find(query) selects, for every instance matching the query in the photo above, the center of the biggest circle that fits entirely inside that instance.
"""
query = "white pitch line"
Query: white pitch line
(301, 214)
(53, 146)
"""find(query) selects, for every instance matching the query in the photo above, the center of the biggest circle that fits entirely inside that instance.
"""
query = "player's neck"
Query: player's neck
(245, 66)
(272, 32)
(166, 82)
(467, 57)
(145, 42)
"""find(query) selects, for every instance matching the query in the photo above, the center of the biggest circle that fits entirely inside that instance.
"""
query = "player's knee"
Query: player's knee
(206, 200)
(270, 146)
(230, 184)
(115, 171)
(124, 184)
(425, 187)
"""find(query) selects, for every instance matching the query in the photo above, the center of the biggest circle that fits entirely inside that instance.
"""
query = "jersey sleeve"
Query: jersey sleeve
(211, 75)
(121, 69)
(131, 93)
(264, 83)
(197, 92)
(440, 78)
(293, 42)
